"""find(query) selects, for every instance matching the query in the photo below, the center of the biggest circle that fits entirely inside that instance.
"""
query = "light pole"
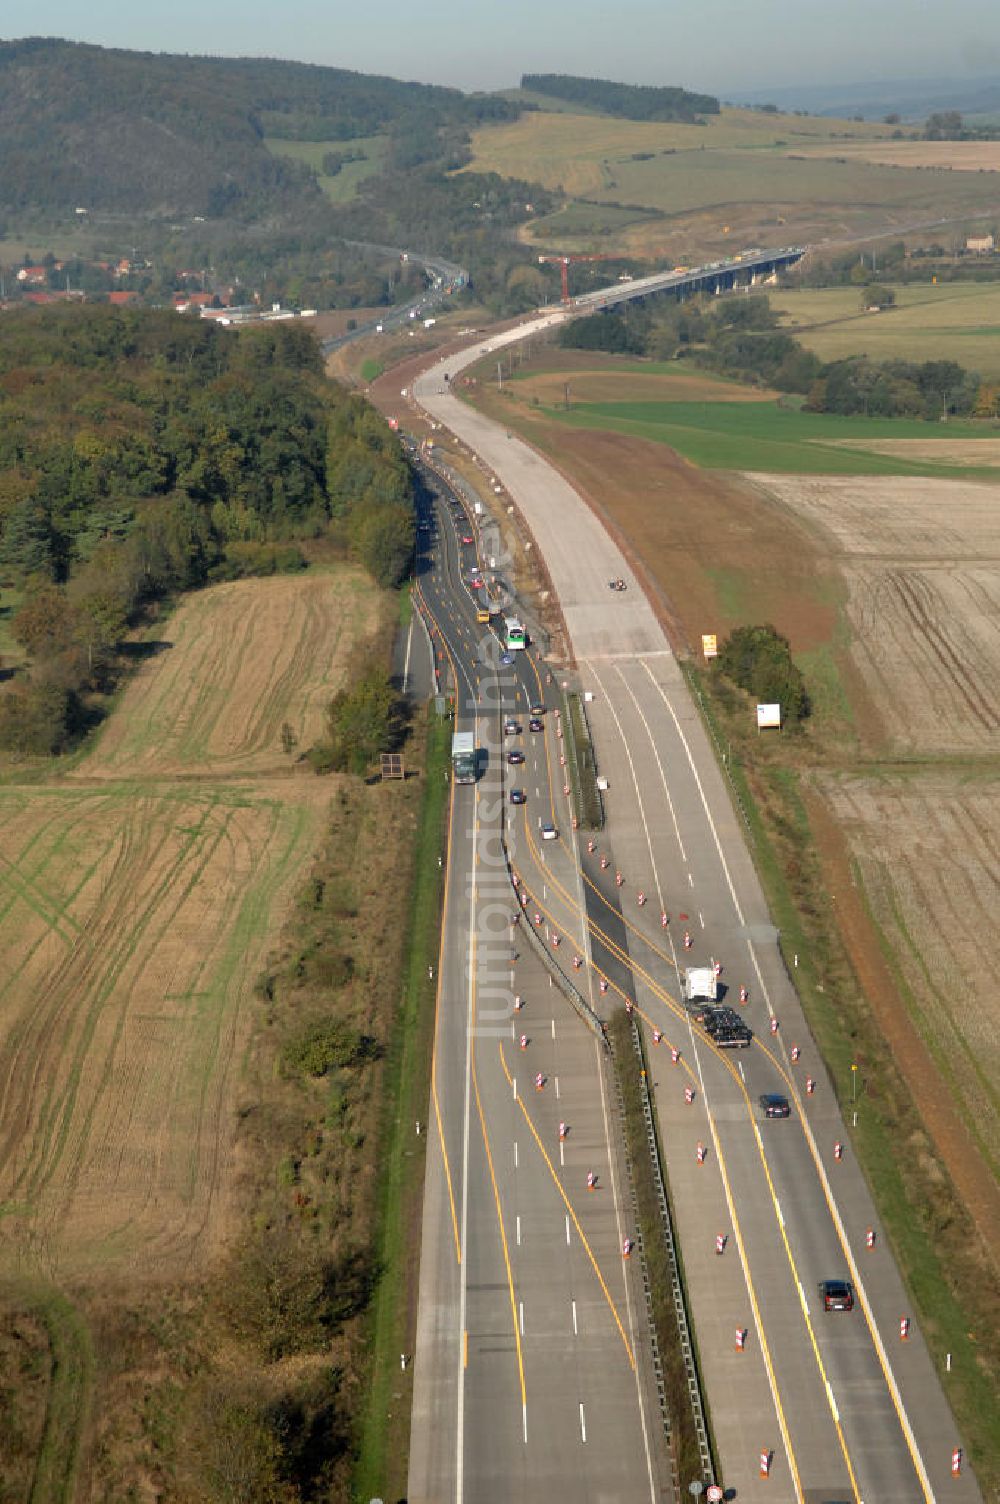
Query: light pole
(854, 1091)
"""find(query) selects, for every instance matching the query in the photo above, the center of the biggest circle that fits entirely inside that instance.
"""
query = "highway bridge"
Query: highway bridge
(743, 270)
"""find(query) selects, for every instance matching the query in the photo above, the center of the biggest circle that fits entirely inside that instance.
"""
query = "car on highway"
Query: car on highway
(506, 659)
(518, 796)
(535, 724)
(773, 1105)
(549, 832)
(836, 1295)
(511, 727)
(537, 710)
(467, 538)
(514, 758)
(476, 583)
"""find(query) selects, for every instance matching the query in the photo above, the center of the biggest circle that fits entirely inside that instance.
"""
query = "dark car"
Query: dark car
(515, 757)
(836, 1295)
(773, 1105)
(518, 796)
(535, 724)
(511, 728)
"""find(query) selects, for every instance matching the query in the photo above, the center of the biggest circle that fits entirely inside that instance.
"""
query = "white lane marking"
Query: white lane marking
(701, 790)
(802, 1297)
(833, 1402)
(553, 1028)
(701, 919)
(777, 1208)
(518, 1226)
(515, 1154)
(406, 661)
(838, 1222)
(583, 1424)
(555, 1080)
(520, 1316)
(524, 1423)
(635, 783)
(575, 1331)
(659, 764)
(742, 1076)
(567, 1229)
(514, 1083)
(467, 1119)
(690, 881)
(562, 1156)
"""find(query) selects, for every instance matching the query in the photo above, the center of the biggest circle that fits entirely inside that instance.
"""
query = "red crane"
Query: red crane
(564, 262)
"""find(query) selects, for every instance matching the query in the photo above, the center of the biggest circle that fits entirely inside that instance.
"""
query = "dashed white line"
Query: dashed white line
(575, 1331)
(515, 1154)
(520, 1316)
(567, 1229)
(555, 1081)
(583, 1424)
(553, 1028)
(518, 1225)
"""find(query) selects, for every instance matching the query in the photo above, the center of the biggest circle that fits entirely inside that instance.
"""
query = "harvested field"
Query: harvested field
(238, 663)
(133, 924)
(139, 899)
(975, 453)
(927, 849)
(921, 559)
(957, 156)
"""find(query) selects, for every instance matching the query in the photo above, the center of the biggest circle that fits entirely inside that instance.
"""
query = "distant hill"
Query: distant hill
(627, 101)
(136, 133)
(913, 99)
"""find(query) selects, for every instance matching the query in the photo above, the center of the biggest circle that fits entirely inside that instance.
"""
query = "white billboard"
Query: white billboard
(767, 716)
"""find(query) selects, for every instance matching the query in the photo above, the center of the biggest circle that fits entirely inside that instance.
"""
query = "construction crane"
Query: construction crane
(563, 263)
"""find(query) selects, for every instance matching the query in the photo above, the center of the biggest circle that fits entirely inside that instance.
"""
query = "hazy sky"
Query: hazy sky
(719, 45)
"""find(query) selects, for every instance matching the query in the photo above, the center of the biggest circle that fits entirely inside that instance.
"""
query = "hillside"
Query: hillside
(135, 133)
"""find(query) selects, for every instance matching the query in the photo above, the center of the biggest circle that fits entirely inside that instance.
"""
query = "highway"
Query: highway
(531, 1377)
(841, 1405)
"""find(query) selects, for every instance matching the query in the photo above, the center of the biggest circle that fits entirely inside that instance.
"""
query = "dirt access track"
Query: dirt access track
(139, 898)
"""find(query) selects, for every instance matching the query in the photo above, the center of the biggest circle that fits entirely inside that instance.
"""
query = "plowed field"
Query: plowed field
(921, 559)
(137, 905)
(927, 849)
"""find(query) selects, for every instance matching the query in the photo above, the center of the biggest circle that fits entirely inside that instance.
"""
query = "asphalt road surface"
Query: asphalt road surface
(842, 1407)
(532, 1368)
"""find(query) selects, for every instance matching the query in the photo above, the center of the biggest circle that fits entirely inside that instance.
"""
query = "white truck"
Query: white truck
(700, 984)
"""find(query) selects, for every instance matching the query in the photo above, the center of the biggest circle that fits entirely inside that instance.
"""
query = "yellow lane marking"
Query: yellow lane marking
(496, 1192)
(437, 1014)
(569, 1207)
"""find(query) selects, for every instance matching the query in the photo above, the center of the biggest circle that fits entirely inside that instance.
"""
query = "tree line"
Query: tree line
(738, 336)
(628, 101)
(144, 453)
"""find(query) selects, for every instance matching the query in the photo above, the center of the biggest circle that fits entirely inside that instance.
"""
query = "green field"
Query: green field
(343, 186)
(949, 321)
(740, 178)
(764, 436)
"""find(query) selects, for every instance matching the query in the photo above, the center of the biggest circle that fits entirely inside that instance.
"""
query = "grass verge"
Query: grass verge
(70, 1384)
(932, 1236)
(684, 1446)
(384, 1453)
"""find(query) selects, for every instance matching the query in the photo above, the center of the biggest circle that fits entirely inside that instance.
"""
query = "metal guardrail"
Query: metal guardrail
(573, 995)
(676, 1284)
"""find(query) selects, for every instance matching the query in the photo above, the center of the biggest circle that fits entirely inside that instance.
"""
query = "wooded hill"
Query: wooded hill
(628, 101)
(142, 454)
(132, 132)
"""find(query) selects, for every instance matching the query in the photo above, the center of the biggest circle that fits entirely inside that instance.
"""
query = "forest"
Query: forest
(144, 453)
(628, 101)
